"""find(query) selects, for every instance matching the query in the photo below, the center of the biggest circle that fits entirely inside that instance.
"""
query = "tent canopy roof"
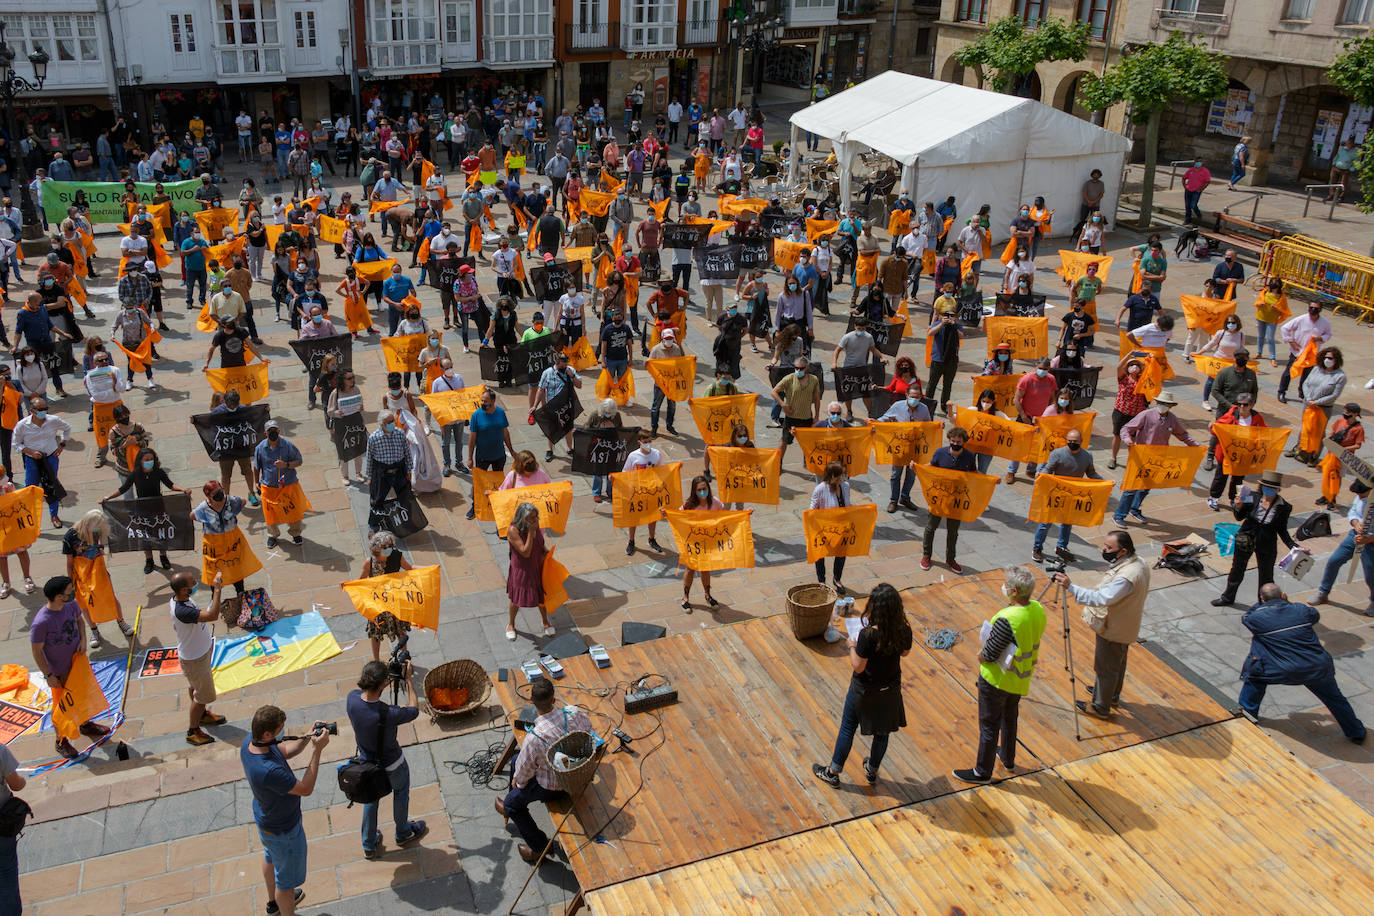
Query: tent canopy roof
(911, 118)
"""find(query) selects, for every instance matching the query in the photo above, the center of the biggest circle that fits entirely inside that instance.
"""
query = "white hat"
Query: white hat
(150, 266)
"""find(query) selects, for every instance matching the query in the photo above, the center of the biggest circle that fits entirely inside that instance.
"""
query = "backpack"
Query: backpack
(257, 610)
(1316, 525)
(364, 781)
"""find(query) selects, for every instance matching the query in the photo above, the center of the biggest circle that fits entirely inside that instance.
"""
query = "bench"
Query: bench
(1241, 234)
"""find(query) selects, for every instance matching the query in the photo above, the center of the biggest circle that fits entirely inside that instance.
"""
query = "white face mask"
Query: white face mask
(1163, 409)
(1329, 363)
(644, 447)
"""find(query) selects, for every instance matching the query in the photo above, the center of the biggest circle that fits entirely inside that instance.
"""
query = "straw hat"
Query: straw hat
(1165, 397)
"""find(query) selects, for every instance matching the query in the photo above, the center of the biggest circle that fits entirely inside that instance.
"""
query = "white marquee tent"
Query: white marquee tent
(980, 146)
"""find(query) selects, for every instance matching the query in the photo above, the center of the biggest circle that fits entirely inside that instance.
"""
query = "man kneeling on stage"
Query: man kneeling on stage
(534, 778)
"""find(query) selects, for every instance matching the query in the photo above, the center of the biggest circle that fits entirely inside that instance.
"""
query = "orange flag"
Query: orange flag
(660, 209)
(961, 495)
(1206, 314)
(843, 532)
(1281, 306)
(332, 230)
(552, 577)
(717, 225)
(1052, 432)
(1306, 359)
(356, 314)
(898, 223)
(141, 356)
(381, 206)
(375, 271)
(224, 252)
(867, 269)
(746, 475)
(850, 446)
(21, 513)
(786, 254)
(609, 182)
(735, 206)
(1074, 264)
(989, 434)
(1312, 430)
(817, 229)
(597, 203)
(1008, 252)
(411, 595)
(1059, 500)
(454, 406)
(249, 381)
(553, 500)
(1250, 449)
(1029, 337)
(713, 539)
(403, 352)
(483, 483)
(638, 496)
(904, 443)
(715, 417)
(228, 553)
(103, 420)
(580, 355)
(284, 505)
(212, 222)
(78, 700)
(1003, 388)
(675, 376)
(1125, 346)
(1161, 467)
(1211, 365)
(94, 592)
(678, 321)
(619, 390)
(1150, 382)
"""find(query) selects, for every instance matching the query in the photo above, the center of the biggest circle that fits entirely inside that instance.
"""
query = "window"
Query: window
(922, 42)
(304, 26)
(88, 46)
(589, 14)
(519, 31)
(247, 37)
(457, 23)
(1182, 6)
(1356, 12)
(971, 11)
(649, 24)
(405, 33)
(184, 56)
(1031, 12)
(1095, 13)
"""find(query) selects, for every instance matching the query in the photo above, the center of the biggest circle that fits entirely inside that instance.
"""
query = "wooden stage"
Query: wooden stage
(1154, 811)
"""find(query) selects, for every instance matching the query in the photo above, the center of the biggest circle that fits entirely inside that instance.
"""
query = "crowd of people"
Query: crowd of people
(525, 193)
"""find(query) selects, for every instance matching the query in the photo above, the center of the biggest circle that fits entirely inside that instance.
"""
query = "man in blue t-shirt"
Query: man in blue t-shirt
(365, 708)
(395, 289)
(277, 798)
(489, 442)
(193, 260)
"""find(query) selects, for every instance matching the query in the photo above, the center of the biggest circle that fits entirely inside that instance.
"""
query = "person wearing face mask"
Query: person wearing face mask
(552, 382)
(104, 386)
(395, 289)
(146, 477)
(1263, 521)
(855, 348)
(945, 336)
(1154, 426)
(452, 433)
(1113, 610)
(606, 416)
(1019, 276)
(275, 460)
(1195, 180)
(646, 456)
(615, 344)
(1128, 403)
(1069, 356)
(1225, 344)
(1069, 460)
(218, 513)
(907, 409)
(1090, 238)
(1079, 323)
(389, 461)
(231, 341)
(413, 323)
(1230, 383)
(1348, 433)
(426, 473)
(195, 645)
(1034, 397)
(1228, 275)
(41, 439)
(832, 493)
(955, 457)
(1297, 332)
(1240, 413)
(794, 307)
(1023, 230)
(699, 499)
(56, 637)
(429, 359)
(34, 325)
(1270, 308)
(192, 252)
(383, 557)
(799, 393)
(1320, 390)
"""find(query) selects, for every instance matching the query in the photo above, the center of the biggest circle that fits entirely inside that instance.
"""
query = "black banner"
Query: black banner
(60, 361)
(551, 281)
(650, 265)
(778, 373)
(777, 225)
(511, 368)
(1007, 304)
(971, 309)
(151, 523)
(886, 337)
(350, 437)
(540, 353)
(1082, 382)
(231, 434)
(312, 351)
(603, 450)
(718, 262)
(852, 382)
(754, 253)
(557, 415)
(684, 235)
(402, 517)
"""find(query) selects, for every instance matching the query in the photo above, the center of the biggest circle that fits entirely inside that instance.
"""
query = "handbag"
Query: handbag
(13, 813)
(365, 781)
(257, 610)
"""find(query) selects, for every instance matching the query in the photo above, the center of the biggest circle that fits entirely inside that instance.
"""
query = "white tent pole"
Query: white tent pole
(792, 159)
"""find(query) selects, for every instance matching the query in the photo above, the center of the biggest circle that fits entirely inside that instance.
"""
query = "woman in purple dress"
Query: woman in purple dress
(524, 582)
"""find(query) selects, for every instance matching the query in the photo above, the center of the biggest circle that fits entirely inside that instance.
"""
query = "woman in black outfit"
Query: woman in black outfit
(874, 703)
(504, 338)
(1263, 522)
(148, 478)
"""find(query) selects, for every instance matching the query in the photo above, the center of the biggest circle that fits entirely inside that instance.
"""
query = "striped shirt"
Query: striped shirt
(387, 448)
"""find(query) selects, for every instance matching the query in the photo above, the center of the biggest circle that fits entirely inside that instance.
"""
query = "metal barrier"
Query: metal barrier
(1257, 196)
(1331, 276)
(1333, 199)
(1173, 169)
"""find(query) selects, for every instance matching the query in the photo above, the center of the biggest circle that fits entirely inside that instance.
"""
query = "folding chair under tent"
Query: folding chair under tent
(980, 146)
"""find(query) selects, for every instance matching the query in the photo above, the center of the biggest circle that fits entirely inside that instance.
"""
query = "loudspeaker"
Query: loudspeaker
(569, 645)
(631, 632)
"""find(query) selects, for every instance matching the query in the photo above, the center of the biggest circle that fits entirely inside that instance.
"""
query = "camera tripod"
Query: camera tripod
(1061, 597)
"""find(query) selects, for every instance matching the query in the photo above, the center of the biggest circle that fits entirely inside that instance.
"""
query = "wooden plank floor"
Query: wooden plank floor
(757, 708)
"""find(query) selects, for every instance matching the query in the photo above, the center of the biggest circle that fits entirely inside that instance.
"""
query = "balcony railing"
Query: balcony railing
(857, 9)
(249, 62)
(700, 32)
(1193, 21)
(589, 36)
(404, 55)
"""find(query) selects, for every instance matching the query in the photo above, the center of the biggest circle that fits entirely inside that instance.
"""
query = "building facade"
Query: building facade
(1279, 95)
(79, 90)
(1054, 83)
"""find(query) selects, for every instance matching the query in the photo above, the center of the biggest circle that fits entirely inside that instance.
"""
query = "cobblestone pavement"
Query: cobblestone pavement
(170, 830)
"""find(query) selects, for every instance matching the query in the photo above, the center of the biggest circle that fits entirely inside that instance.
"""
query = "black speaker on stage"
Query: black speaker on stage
(631, 632)
(569, 645)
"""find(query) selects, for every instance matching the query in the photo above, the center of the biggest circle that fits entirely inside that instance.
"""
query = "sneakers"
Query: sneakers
(629, 548)
(4, 589)
(1064, 554)
(548, 456)
(252, 499)
(166, 563)
(954, 565)
(654, 545)
(1223, 601)
(67, 750)
(271, 542)
(124, 628)
(297, 539)
(198, 738)
(1009, 477)
(94, 641)
(448, 471)
(1089, 710)
(870, 773)
(1320, 598)
(972, 777)
(906, 503)
(148, 567)
(1137, 515)
(925, 562)
(273, 909)
(1213, 504)
(822, 772)
(1209, 463)
(94, 730)
(418, 829)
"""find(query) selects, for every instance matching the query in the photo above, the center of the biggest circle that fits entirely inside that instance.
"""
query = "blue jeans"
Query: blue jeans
(1237, 170)
(1043, 529)
(194, 278)
(107, 167)
(540, 153)
(452, 433)
(393, 320)
(902, 488)
(659, 398)
(1190, 204)
(1345, 551)
(31, 476)
(1324, 689)
(984, 462)
(617, 368)
(400, 809)
(282, 154)
(286, 853)
(1265, 332)
(1031, 467)
(849, 726)
(601, 486)
(518, 803)
(1130, 501)
(9, 875)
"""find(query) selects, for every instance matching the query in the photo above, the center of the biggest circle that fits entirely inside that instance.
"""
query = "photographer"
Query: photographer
(10, 782)
(1113, 609)
(374, 728)
(277, 798)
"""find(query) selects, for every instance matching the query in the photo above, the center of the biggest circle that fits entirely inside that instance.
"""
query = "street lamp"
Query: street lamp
(758, 34)
(11, 84)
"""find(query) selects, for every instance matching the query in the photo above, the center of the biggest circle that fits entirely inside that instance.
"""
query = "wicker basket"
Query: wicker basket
(579, 745)
(229, 610)
(809, 608)
(461, 673)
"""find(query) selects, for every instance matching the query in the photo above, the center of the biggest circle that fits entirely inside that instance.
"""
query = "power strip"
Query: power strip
(648, 698)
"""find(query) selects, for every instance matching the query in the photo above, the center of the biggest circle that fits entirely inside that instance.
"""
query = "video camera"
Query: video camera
(331, 727)
(395, 666)
(1055, 565)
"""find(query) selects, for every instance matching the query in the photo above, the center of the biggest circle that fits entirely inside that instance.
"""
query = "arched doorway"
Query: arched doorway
(1066, 96)
(952, 72)
(1027, 87)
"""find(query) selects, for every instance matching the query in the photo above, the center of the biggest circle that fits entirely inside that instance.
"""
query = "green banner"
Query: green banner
(104, 198)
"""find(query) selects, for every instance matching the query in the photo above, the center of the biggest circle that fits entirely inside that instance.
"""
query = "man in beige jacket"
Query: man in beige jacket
(1114, 610)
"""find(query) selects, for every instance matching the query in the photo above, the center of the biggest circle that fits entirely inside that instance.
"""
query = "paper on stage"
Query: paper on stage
(854, 625)
(1004, 662)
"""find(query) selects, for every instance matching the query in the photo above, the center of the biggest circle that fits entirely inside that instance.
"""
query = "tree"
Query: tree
(1151, 78)
(1353, 72)
(1009, 51)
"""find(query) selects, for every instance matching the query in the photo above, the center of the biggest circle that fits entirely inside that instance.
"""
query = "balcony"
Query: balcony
(812, 13)
(1193, 22)
(249, 63)
(589, 37)
(388, 57)
(857, 9)
(698, 33)
(519, 51)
